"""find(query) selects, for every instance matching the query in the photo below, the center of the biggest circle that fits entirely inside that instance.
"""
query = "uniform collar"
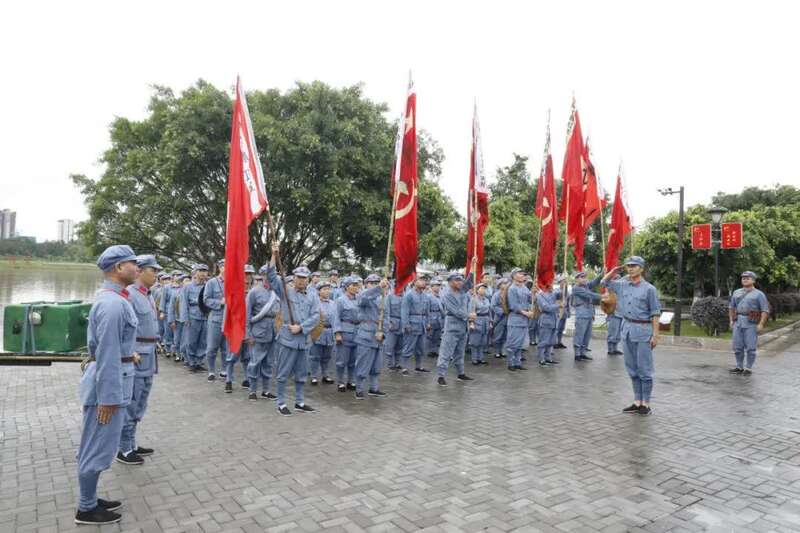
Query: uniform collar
(141, 288)
(119, 289)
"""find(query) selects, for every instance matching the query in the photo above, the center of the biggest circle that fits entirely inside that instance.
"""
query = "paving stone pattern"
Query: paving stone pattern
(544, 450)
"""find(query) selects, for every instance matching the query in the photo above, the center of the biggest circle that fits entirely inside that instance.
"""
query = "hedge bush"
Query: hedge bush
(711, 314)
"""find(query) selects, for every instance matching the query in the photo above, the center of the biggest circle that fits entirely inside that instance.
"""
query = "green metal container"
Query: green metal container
(45, 327)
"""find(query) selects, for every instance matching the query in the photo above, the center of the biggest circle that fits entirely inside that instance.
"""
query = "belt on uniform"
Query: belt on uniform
(122, 359)
(637, 321)
(146, 339)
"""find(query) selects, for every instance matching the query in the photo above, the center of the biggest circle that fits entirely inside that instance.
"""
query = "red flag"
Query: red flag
(405, 223)
(247, 198)
(545, 210)
(477, 202)
(572, 191)
(595, 196)
(620, 224)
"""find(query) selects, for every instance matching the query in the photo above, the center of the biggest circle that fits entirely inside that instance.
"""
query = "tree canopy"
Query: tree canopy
(327, 154)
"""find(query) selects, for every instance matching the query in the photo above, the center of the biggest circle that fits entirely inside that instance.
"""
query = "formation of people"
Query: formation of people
(339, 332)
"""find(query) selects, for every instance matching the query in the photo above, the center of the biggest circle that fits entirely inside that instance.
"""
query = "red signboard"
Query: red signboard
(701, 236)
(732, 235)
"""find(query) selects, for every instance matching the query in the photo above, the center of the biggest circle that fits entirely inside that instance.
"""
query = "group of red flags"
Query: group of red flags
(582, 201)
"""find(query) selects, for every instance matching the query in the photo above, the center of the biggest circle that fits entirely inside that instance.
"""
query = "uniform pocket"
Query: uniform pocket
(127, 384)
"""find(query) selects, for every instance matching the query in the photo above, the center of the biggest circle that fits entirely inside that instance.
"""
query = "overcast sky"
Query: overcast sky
(704, 94)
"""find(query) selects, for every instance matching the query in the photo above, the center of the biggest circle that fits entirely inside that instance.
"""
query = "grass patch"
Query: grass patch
(689, 329)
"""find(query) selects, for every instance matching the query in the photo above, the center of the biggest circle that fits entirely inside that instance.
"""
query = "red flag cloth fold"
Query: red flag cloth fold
(477, 203)
(546, 211)
(595, 198)
(620, 226)
(572, 191)
(405, 223)
(247, 198)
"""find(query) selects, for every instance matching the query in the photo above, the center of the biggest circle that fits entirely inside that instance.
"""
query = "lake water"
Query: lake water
(19, 284)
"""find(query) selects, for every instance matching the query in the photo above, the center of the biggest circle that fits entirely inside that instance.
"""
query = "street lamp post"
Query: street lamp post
(716, 213)
(679, 280)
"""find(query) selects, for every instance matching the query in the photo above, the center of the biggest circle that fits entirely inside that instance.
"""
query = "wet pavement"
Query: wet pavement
(543, 450)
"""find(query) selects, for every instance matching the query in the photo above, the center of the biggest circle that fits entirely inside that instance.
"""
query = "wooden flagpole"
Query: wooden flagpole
(279, 264)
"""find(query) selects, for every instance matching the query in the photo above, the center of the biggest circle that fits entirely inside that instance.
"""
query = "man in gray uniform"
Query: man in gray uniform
(196, 325)
(107, 383)
(454, 339)
(294, 341)
(583, 299)
(520, 312)
(214, 299)
(749, 311)
(414, 322)
(641, 310)
(143, 303)
(368, 338)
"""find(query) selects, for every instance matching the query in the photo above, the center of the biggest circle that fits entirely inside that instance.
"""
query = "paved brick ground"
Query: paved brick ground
(546, 450)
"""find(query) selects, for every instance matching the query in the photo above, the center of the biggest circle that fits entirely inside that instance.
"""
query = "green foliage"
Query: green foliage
(50, 250)
(510, 239)
(771, 245)
(778, 195)
(327, 152)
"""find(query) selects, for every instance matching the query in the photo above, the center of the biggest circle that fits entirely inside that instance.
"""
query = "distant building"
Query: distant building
(66, 230)
(8, 224)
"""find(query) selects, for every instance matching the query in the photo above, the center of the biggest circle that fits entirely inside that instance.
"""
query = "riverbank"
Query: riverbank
(7, 263)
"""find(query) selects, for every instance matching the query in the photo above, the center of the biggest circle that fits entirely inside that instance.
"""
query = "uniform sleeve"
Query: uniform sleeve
(248, 313)
(367, 295)
(108, 379)
(763, 304)
(452, 306)
(405, 310)
(593, 284)
(337, 321)
(334, 316)
(275, 282)
(214, 300)
(313, 317)
(184, 304)
(733, 301)
(515, 303)
(652, 302)
(469, 282)
(546, 306)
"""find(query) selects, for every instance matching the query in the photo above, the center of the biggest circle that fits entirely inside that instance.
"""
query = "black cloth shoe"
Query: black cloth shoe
(351, 386)
(211, 377)
(201, 368)
(97, 517)
(327, 381)
(476, 363)
(404, 372)
(588, 349)
(512, 369)
(441, 381)
(131, 459)
(268, 396)
(617, 352)
(109, 505)
(421, 370)
(736, 370)
(359, 395)
(543, 363)
(342, 387)
(746, 372)
(586, 358)
(143, 452)
(644, 410)
(523, 358)
(463, 377)
(378, 393)
(498, 356)
(223, 374)
(253, 397)
(246, 384)
(559, 346)
(228, 388)
(284, 411)
(632, 408)
(520, 367)
(305, 408)
(551, 362)
(314, 381)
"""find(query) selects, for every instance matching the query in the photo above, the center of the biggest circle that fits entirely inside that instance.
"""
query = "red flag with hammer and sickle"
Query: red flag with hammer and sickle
(405, 223)
(546, 211)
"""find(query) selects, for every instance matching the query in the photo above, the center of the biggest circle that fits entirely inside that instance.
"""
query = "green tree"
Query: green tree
(327, 152)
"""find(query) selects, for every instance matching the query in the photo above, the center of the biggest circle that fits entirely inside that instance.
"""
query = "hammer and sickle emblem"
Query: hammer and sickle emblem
(402, 189)
(549, 218)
